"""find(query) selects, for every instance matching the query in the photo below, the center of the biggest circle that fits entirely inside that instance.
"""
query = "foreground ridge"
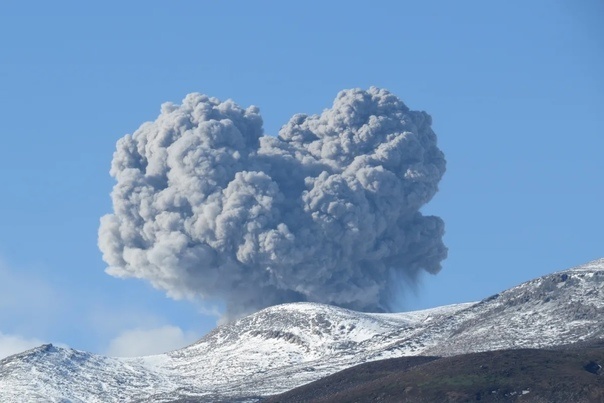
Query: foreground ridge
(567, 374)
(286, 346)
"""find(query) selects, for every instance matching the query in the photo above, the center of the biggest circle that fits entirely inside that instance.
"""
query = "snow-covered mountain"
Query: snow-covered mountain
(288, 345)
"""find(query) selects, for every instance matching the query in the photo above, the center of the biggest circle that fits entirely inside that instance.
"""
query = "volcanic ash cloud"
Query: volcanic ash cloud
(207, 206)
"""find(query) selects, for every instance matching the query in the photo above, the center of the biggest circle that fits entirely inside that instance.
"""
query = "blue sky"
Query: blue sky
(515, 90)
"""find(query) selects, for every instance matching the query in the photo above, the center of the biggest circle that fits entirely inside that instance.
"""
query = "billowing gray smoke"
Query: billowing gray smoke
(207, 206)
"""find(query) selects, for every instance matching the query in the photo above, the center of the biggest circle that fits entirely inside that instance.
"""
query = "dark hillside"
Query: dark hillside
(528, 375)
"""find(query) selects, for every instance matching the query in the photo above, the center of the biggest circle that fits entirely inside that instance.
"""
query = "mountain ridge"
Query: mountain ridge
(285, 346)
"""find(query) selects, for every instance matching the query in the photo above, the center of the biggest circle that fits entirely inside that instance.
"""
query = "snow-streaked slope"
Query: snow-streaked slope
(54, 374)
(273, 350)
(560, 308)
(288, 345)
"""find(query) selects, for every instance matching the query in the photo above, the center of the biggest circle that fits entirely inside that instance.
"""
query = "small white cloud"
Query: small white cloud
(12, 344)
(139, 342)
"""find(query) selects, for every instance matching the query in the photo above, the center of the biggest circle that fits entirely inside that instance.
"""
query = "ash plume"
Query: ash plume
(207, 206)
